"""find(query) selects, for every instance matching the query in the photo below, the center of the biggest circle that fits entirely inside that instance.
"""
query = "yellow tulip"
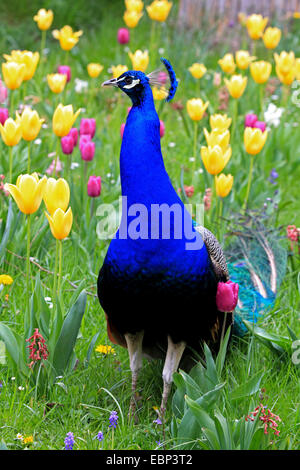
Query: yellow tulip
(63, 119)
(56, 195)
(28, 58)
(197, 70)
(134, 5)
(260, 71)
(217, 138)
(242, 18)
(215, 159)
(254, 140)
(285, 61)
(196, 108)
(159, 93)
(131, 18)
(286, 78)
(271, 37)
(13, 74)
(243, 59)
(296, 15)
(44, 19)
(94, 69)
(30, 124)
(67, 37)
(139, 60)
(11, 131)
(236, 85)
(60, 223)
(57, 82)
(297, 69)
(224, 184)
(220, 122)
(227, 63)
(159, 10)
(256, 25)
(28, 192)
(118, 70)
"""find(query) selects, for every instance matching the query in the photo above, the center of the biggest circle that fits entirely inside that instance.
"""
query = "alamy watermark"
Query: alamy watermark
(154, 222)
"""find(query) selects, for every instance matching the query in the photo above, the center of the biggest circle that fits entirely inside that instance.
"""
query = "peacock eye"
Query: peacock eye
(128, 80)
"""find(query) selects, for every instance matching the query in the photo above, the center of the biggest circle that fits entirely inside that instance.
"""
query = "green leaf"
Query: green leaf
(247, 388)
(9, 220)
(13, 347)
(91, 347)
(222, 353)
(68, 335)
(202, 418)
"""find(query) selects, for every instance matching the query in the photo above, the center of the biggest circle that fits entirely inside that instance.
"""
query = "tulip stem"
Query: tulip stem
(55, 274)
(249, 184)
(28, 158)
(220, 211)
(59, 265)
(195, 147)
(261, 97)
(234, 117)
(56, 157)
(43, 42)
(10, 164)
(12, 95)
(28, 261)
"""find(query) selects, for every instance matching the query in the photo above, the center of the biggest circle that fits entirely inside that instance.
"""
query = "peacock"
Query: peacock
(158, 287)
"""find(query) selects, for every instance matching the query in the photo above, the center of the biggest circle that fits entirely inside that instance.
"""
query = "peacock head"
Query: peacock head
(135, 83)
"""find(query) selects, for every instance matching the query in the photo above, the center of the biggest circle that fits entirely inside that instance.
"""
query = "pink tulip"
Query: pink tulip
(250, 120)
(58, 167)
(122, 130)
(123, 36)
(74, 134)
(65, 70)
(3, 92)
(67, 144)
(227, 296)
(4, 114)
(260, 125)
(94, 186)
(87, 151)
(162, 129)
(87, 127)
(83, 140)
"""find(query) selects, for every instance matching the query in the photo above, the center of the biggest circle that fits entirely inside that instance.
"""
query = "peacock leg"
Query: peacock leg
(134, 345)
(173, 357)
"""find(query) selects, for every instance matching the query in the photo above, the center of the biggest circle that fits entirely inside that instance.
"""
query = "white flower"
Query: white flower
(80, 85)
(161, 51)
(21, 388)
(74, 165)
(273, 114)
(172, 144)
(38, 141)
(191, 159)
(20, 437)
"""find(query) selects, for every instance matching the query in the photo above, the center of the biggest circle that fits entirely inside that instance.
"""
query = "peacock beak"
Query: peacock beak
(112, 82)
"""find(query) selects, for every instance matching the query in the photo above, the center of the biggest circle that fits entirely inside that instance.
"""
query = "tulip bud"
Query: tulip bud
(67, 144)
(88, 127)
(74, 134)
(83, 140)
(227, 296)
(65, 70)
(94, 186)
(4, 114)
(250, 120)
(139, 59)
(122, 130)
(260, 125)
(123, 36)
(87, 151)
(162, 129)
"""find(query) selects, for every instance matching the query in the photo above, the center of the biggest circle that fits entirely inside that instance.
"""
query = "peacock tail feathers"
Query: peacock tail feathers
(256, 260)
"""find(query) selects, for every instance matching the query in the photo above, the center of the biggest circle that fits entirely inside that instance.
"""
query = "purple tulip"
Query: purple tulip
(87, 151)
(123, 36)
(94, 186)
(88, 126)
(260, 125)
(4, 114)
(67, 144)
(83, 140)
(65, 70)
(227, 296)
(250, 120)
(74, 134)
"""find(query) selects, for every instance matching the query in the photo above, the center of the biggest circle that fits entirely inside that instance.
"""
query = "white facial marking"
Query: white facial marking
(131, 85)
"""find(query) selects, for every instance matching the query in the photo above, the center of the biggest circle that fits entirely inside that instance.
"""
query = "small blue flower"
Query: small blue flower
(273, 176)
(157, 421)
(100, 436)
(69, 441)
(113, 419)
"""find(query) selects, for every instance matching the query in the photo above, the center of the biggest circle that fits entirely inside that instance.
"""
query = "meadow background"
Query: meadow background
(96, 383)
